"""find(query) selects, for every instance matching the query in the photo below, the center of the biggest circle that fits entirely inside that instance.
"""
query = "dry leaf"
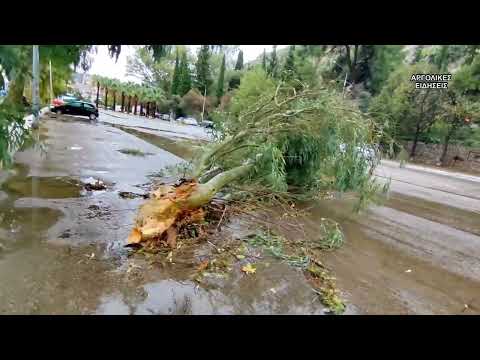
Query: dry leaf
(249, 269)
(240, 257)
(203, 265)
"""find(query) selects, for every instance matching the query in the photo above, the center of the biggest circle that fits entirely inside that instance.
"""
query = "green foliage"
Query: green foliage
(467, 80)
(203, 77)
(175, 80)
(255, 84)
(385, 60)
(184, 77)
(239, 64)
(12, 133)
(221, 79)
(294, 140)
(400, 108)
(234, 80)
(152, 72)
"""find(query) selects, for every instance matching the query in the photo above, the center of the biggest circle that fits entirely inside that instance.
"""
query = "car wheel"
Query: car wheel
(92, 117)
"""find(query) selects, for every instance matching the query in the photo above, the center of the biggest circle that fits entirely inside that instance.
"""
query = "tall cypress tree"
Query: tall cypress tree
(175, 80)
(203, 76)
(221, 79)
(288, 71)
(264, 61)
(239, 64)
(273, 63)
(184, 77)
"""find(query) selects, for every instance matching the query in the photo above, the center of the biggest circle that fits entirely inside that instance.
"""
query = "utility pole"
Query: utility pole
(35, 85)
(51, 82)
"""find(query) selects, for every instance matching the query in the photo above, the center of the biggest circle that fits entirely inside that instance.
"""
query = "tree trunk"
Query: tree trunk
(169, 205)
(136, 103)
(106, 98)
(141, 108)
(128, 106)
(123, 101)
(114, 100)
(443, 157)
(415, 142)
(98, 93)
(154, 110)
(147, 113)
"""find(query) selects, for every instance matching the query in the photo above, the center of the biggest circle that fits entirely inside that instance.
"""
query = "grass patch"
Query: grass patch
(134, 152)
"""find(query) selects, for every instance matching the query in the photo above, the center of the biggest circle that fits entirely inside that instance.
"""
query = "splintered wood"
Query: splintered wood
(164, 213)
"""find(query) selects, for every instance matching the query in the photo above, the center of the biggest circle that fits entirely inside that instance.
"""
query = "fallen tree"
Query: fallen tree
(288, 144)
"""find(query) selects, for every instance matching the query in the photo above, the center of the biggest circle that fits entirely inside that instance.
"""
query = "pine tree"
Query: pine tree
(289, 66)
(239, 64)
(203, 77)
(175, 80)
(221, 79)
(272, 69)
(264, 61)
(184, 77)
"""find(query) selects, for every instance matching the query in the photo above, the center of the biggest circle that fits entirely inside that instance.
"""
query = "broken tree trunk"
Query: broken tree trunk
(170, 206)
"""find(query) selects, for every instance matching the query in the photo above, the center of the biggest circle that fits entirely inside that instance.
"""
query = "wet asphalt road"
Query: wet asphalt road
(61, 249)
(419, 253)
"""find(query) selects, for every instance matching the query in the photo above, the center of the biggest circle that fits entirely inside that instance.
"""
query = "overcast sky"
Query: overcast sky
(105, 66)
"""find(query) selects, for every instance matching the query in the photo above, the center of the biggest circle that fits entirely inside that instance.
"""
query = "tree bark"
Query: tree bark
(123, 101)
(136, 103)
(128, 106)
(98, 93)
(205, 192)
(443, 157)
(141, 108)
(147, 113)
(106, 98)
(114, 100)
(415, 142)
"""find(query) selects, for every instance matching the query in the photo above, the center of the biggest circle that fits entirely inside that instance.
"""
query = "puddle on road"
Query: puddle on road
(20, 185)
(277, 289)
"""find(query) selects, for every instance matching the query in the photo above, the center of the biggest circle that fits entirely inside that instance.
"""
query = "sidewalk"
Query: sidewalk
(172, 128)
(432, 170)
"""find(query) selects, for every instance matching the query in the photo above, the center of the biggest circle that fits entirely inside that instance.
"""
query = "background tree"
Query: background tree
(272, 69)
(185, 77)
(203, 79)
(459, 112)
(175, 79)
(288, 71)
(239, 64)
(407, 112)
(264, 61)
(221, 80)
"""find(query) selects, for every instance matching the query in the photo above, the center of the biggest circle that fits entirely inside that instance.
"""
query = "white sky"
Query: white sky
(105, 66)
